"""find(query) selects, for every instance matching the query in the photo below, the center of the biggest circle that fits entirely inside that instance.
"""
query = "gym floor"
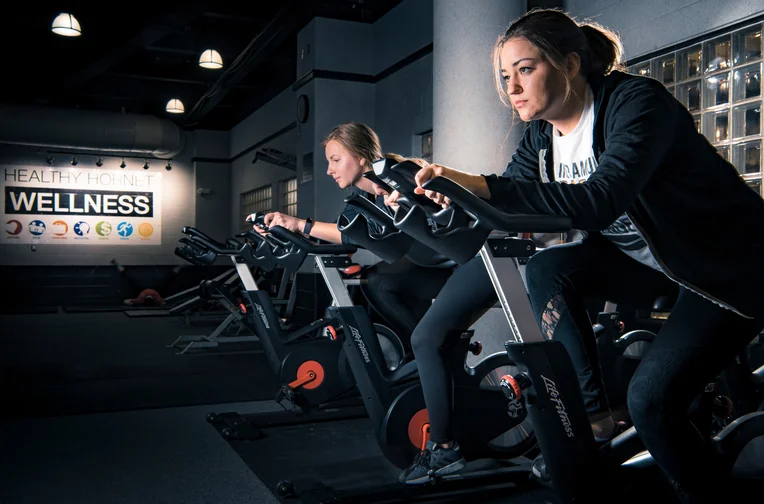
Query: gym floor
(96, 409)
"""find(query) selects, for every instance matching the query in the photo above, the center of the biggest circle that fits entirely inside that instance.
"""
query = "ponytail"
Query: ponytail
(605, 49)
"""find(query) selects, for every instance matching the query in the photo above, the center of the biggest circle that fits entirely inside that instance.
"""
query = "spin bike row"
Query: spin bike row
(527, 396)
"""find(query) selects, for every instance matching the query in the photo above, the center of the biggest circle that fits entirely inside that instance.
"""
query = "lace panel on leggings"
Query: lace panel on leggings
(551, 316)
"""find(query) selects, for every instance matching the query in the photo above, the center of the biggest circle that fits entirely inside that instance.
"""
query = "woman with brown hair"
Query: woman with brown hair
(350, 150)
(621, 157)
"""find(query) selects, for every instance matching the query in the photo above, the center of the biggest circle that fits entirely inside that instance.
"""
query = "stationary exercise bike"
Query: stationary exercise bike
(486, 424)
(309, 361)
(580, 470)
(622, 349)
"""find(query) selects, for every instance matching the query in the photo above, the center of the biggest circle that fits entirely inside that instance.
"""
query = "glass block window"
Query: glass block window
(719, 81)
(289, 196)
(257, 200)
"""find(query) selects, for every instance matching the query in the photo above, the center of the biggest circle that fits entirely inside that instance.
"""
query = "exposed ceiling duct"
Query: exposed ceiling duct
(276, 157)
(89, 130)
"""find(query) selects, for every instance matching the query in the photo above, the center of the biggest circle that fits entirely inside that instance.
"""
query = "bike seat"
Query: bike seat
(663, 304)
(624, 446)
(405, 372)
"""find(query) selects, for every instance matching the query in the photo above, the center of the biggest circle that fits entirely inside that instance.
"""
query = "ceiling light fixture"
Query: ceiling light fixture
(211, 59)
(175, 106)
(66, 25)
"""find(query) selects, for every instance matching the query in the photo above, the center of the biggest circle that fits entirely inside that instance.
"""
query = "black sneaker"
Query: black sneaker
(434, 461)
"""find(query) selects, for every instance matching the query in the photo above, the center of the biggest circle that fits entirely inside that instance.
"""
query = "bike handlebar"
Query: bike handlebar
(389, 244)
(494, 218)
(471, 222)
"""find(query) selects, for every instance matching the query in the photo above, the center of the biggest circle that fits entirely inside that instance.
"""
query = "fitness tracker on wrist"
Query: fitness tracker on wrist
(308, 225)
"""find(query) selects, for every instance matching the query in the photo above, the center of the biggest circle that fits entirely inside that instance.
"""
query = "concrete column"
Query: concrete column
(471, 127)
(328, 51)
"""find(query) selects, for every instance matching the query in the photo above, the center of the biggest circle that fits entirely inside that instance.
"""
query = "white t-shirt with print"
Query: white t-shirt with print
(574, 162)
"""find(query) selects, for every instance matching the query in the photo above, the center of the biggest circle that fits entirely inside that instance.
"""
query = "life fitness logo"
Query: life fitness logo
(145, 230)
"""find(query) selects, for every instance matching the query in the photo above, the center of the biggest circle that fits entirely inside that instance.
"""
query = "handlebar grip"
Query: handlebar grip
(370, 175)
(192, 231)
(389, 247)
(252, 235)
(494, 218)
(258, 219)
(373, 211)
(308, 246)
(208, 241)
(405, 175)
(213, 246)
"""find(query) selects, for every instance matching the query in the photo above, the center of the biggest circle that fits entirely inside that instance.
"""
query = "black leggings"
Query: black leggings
(402, 293)
(693, 345)
(466, 296)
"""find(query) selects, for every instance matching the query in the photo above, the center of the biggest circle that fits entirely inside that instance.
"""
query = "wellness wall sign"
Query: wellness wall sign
(81, 206)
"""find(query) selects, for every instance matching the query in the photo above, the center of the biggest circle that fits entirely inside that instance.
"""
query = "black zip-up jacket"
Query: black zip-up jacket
(703, 224)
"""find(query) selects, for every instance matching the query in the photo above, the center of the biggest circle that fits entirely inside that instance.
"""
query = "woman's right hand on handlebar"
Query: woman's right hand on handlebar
(430, 172)
(473, 183)
(256, 226)
(391, 199)
(278, 219)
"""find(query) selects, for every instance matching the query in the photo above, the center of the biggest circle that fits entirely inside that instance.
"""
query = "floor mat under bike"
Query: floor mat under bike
(340, 461)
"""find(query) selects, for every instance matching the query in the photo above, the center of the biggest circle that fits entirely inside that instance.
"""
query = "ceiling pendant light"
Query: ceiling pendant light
(211, 59)
(175, 106)
(66, 25)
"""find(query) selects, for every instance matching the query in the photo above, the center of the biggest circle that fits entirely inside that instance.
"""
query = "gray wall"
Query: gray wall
(397, 107)
(248, 176)
(404, 107)
(214, 179)
(400, 32)
(336, 102)
(404, 98)
(245, 176)
(343, 46)
(650, 25)
(306, 134)
(473, 130)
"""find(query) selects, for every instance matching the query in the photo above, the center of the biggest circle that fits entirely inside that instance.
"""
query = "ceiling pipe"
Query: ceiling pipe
(90, 130)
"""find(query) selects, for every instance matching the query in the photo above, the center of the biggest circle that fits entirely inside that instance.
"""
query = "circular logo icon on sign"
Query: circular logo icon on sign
(103, 228)
(13, 227)
(82, 228)
(37, 227)
(124, 229)
(60, 228)
(145, 229)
